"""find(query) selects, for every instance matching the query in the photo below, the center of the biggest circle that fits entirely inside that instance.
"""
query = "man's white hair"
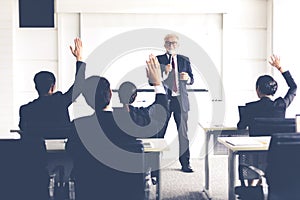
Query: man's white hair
(171, 35)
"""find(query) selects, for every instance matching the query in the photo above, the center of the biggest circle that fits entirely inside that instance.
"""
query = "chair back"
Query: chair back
(95, 179)
(23, 172)
(283, 170)
(269, 126)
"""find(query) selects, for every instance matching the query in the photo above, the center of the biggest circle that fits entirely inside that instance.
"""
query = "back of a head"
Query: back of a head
(43, 81)
(127, 92)
(266, 85)
(96, 92)
(89, 90)
(103, 94)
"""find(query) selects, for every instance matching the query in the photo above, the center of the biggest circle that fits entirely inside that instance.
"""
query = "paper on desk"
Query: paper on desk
(243, 141)
(147, 144)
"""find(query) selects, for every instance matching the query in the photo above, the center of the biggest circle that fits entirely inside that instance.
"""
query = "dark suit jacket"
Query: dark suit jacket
(265, 107)
(184, 65)
(99, 179)
(143, 122)
(48, 116)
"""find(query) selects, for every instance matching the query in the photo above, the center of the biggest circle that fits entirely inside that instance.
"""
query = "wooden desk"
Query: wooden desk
(153, 157)
(209, 131)
(235, 147)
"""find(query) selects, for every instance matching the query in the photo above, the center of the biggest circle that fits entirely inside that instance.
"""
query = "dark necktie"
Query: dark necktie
(174, 87)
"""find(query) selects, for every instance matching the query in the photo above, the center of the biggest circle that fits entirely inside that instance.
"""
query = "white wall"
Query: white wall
(245, 28)
(246, 48)
(7, 16)
(286, 43)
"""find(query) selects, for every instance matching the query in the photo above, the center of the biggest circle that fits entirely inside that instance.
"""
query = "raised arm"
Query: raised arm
(290, 95)
(77, 50)
(153, 71)
(74, 91)
(275, 62)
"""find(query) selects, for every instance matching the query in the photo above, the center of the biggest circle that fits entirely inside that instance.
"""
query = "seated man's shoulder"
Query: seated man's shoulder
(57, 94)
(28, 105)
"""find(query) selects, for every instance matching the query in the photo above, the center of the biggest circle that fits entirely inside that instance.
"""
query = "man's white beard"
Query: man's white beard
(171, 51)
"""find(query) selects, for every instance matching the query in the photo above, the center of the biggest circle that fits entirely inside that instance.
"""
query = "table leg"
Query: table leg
(231, 174)
(158, 184)
(206, 165)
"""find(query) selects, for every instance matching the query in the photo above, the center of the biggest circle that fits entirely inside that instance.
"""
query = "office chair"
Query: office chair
(261, 127)
(264, 127)
(282, 172)
(94, 179)
(23, 172)
(268, 126)
(58, 161)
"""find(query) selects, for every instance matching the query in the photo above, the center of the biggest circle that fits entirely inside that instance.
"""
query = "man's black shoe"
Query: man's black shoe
(187, 169)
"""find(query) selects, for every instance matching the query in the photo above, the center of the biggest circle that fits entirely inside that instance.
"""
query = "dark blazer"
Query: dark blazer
(46, 115)
(184, 65)
(144, 122)
(100, 179)
(265, 107)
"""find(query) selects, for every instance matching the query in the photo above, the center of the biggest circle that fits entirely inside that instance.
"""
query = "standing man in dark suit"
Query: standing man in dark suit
(177, 73)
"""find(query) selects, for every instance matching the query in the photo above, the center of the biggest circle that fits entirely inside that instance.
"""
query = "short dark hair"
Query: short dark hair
(266, 85)
(43, 81)
(103, 94)
(127, 92)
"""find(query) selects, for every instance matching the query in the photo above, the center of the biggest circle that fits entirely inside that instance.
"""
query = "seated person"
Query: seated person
(266, 87)
(265, 107)
(131, 119)
(48, 116)
(105, 166)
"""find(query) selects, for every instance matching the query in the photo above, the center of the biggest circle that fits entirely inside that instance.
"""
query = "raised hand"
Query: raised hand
(275, 62)
(77, 51)
(153, 70)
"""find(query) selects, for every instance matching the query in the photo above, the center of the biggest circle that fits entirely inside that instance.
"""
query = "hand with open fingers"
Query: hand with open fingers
(153, 70)
(77, 51)
(275, 62)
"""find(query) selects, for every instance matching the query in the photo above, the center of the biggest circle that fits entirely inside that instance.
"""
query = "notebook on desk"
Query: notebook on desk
(243, 141)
